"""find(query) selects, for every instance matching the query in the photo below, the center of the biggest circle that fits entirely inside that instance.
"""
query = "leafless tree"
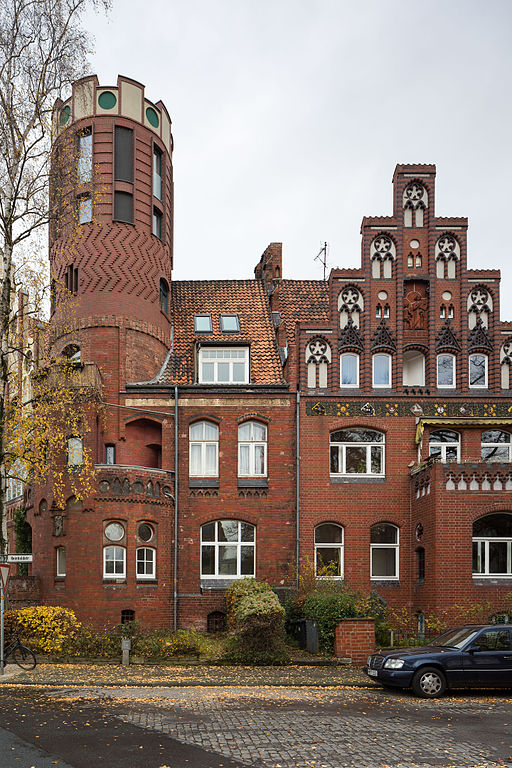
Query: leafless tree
(43, 49)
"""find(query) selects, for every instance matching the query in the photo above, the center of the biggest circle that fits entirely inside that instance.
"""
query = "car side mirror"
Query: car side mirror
(474, 649)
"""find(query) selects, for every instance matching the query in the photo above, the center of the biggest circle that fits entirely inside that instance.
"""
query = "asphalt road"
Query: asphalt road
(260, 727)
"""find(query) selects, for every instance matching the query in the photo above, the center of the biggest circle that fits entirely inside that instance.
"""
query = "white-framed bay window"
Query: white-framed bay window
(223, 365)
(203, 449)
(228, 549)
(252, 449)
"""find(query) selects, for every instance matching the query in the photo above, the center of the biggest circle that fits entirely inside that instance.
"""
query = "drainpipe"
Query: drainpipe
(297, 487)
(176, 497)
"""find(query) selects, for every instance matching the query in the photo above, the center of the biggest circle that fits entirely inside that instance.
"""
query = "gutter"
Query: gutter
(297, 489)
(176, 497)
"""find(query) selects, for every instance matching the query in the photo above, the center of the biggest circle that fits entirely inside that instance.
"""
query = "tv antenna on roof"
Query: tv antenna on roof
(322, 256)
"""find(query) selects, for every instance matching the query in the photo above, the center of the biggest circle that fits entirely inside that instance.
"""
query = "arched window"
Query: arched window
(114, 563)
(381, 370)
(357, 452)
(252, 449)
(318, 357)
(329, 550)
(496, 445)
(446, 371)
(72, 353)
(447, 253)
(204, 449)
(228, 549)
(164, 296)
(350, 305)
(415, 202)
(478, 371)
(349, 370)
(384, 542)
(146, 563)
(492, 545)
(444, 444)
(506, 361)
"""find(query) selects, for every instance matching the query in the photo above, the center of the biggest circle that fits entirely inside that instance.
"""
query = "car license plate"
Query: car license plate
(372, 672)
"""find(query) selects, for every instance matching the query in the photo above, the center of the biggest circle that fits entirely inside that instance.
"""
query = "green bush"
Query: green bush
(257, 621)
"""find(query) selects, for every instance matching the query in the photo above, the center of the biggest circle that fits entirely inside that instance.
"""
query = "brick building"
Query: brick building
(363, 423)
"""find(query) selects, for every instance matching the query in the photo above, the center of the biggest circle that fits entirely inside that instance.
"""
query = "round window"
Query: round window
(152, 117)
(145, 532)
(114, 531)
(107, 100)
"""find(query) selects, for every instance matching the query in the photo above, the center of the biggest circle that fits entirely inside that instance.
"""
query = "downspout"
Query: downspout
(176, 496)
(297, 487)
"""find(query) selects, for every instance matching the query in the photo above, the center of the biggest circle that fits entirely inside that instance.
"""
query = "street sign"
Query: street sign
(19, 558)
(4, 574)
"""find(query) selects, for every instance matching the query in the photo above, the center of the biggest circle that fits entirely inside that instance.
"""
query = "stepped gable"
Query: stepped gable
(302, 301)
(245, 298)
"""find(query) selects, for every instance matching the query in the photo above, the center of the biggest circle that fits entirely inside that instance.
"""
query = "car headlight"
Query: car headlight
(394, 664)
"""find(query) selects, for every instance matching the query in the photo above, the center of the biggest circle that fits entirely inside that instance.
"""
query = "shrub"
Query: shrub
(46, 628)
(257, 620)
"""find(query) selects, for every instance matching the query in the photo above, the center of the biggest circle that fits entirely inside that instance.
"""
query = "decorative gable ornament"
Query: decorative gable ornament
(350, 338)
(506, 352)
(446, 340)
(382, 338)
(479, 337)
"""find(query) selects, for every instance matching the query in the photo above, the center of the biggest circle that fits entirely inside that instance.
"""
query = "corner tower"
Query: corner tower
(111, 238)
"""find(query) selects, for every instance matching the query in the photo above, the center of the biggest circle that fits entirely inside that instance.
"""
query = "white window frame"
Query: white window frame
(490, 445)
(148, 573)
(374, 358)
(203, 442)
(75, 451)
(60, 561)
(454, 371)
(356, 383)
(84, 209)
(84, 159)
(444, 446)
(217, 543)
(252, 444)
(486, 359)
(395, 547)
(117, 574)
(158, 159)
(342, 445)
(223, 356)
(483, 543)
(340, 546)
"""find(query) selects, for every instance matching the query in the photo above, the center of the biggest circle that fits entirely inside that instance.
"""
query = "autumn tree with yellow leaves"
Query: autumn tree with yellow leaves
(43, 50)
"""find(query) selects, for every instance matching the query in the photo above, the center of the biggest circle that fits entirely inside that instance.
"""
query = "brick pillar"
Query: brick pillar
(355, 639)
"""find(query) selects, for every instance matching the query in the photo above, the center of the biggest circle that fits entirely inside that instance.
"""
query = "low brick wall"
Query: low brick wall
(355, 639)
(23, 591)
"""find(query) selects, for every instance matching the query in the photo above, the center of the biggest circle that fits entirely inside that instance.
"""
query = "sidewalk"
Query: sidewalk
(115, 675)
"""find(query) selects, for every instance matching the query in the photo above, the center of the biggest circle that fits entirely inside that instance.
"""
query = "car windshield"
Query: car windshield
(455, 638)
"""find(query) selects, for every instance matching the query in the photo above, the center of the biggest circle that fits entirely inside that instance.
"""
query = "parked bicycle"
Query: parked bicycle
(21, 655)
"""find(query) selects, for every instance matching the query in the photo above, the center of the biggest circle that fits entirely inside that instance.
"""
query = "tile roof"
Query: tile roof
(302, 301)
(245, 298)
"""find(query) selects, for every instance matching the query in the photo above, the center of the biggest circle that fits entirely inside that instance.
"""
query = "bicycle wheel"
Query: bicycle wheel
(24, 657)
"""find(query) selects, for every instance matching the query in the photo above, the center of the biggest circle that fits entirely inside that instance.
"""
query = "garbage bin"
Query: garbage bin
(300, 628)
(311, 635)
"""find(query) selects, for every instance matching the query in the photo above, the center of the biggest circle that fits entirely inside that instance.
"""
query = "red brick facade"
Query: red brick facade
(241, 415)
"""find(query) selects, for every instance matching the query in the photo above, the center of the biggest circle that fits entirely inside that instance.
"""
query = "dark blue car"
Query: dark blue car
(474, 655)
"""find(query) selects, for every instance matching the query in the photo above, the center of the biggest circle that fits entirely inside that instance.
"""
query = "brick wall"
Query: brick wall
(355, 639)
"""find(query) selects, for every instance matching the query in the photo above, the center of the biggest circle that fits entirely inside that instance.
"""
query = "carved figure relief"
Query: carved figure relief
(415, 307)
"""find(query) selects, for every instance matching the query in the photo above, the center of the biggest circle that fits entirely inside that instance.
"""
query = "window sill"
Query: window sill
(114, 582)
(391, 582)
(220, 584)
(147, 583)
(253, 482)
(357, 479)
(203, 482)
(482, 580)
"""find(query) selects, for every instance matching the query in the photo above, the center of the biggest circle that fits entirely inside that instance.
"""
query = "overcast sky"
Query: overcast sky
(289, 117)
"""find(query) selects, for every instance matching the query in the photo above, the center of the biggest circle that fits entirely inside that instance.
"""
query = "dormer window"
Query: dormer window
(229, 324)
(203, 323)
(223, 365)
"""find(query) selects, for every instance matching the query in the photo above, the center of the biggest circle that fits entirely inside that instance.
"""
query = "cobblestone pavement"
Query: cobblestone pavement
(323, 728)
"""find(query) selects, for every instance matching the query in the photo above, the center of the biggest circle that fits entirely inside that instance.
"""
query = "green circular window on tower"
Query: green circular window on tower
(64, 115)
(107, 100)
(152, 117)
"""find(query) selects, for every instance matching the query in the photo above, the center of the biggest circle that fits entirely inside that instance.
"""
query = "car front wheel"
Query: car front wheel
(428, 683)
